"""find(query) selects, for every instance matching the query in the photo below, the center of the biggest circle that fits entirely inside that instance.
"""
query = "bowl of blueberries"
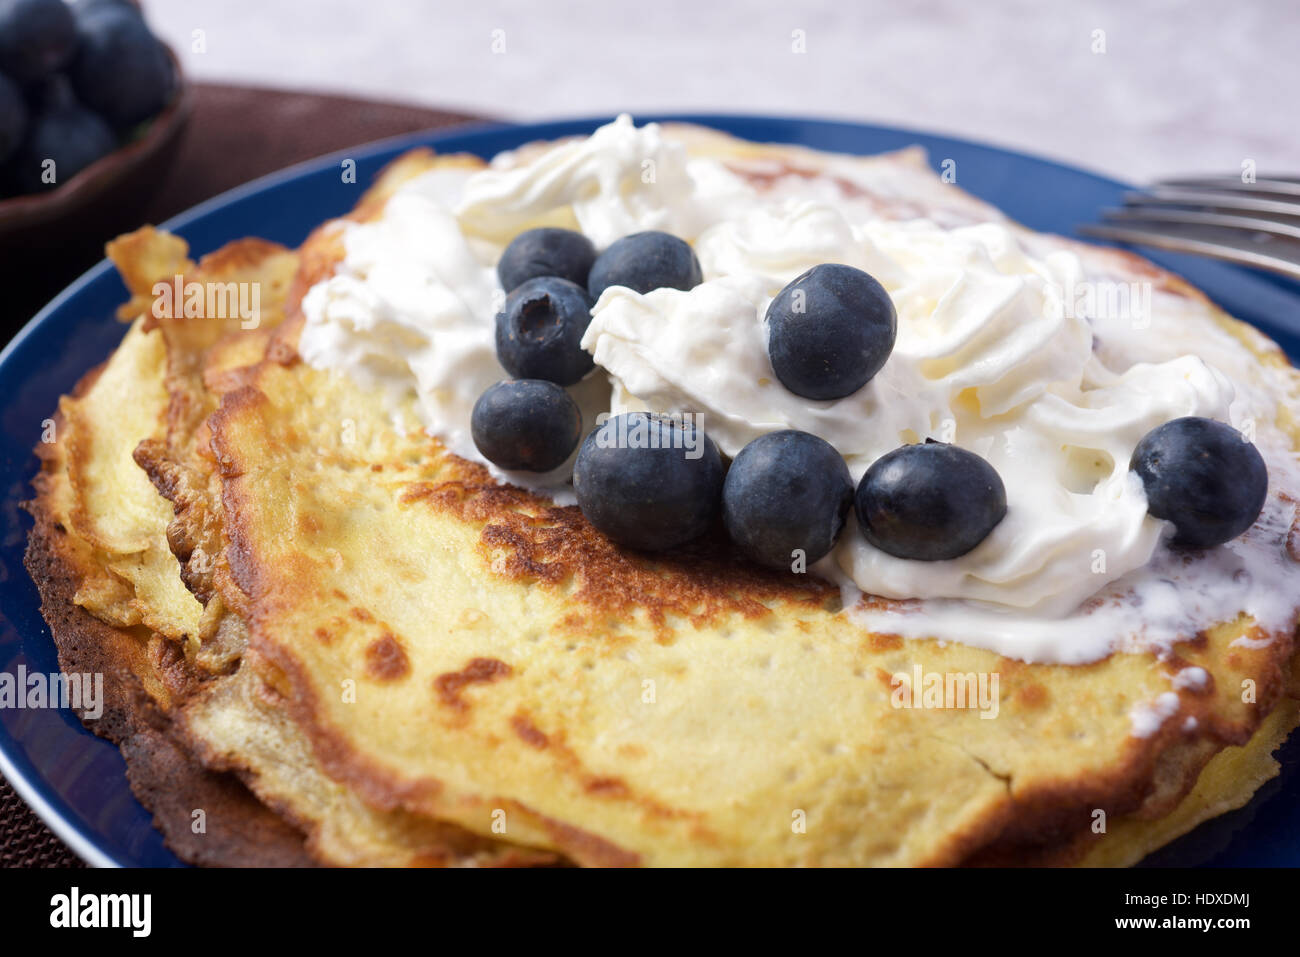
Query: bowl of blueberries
(91, 103)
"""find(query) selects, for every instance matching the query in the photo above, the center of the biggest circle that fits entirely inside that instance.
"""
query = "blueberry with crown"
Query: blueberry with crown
(1204, 477)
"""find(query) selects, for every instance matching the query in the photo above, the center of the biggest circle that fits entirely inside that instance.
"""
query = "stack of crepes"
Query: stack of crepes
(327, 639)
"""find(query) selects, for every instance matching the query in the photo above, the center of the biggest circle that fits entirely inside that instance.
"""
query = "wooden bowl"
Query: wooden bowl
(104, 194)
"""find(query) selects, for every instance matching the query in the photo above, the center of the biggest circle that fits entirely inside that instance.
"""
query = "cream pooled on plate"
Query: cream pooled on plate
(996, 352)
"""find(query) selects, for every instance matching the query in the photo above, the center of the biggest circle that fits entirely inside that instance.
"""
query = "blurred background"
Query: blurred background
(1179, 85)
(1136, 90)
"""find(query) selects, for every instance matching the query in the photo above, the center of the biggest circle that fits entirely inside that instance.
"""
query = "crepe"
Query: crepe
(410, 662)
(98, 596)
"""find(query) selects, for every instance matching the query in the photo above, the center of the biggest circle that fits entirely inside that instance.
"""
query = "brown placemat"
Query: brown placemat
(235, 134)
(24, 840)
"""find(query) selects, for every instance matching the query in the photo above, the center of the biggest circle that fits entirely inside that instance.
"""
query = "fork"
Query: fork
(1252, 224)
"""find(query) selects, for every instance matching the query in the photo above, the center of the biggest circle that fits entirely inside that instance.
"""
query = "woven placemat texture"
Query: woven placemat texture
(24, 840)
(235, 134)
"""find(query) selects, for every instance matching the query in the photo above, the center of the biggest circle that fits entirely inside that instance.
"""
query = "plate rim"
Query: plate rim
(28, 787)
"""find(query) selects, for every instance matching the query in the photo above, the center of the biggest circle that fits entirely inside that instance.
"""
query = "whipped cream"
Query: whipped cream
(410, 312)
(620, 180)
(997, 352)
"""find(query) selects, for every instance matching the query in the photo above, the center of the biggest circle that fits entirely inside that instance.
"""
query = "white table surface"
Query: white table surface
(1181, 87)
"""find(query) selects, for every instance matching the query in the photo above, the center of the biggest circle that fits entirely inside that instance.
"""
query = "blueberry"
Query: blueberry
(51, 94)
(1204, 477)
(786, 491)
(830, 331)
(13, 117)
(929, 502)
(649, 481)
(643, 262)
(83, 8)
(37, 37)
(539, 332)
(67, 133)
(546, 252)
(121, 71)
(526, 424)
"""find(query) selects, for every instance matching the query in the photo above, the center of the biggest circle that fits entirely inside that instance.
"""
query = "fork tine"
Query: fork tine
(1252, 224)
(1201, 217)
(1176, 196)
(1173, 242)
(1278, 185)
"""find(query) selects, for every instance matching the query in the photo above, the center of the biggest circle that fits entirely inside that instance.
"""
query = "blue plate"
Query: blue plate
(77, 782)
